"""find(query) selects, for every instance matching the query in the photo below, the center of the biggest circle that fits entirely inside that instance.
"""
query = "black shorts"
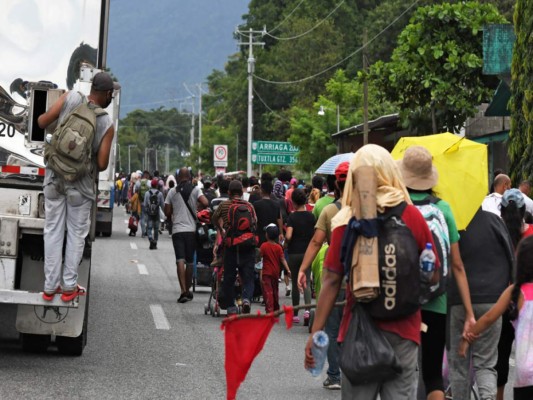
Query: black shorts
(184, 246)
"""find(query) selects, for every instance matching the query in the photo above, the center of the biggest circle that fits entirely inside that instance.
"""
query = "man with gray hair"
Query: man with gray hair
(492, 202)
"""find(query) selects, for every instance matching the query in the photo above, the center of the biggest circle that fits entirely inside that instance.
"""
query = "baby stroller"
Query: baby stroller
(216, 300)
(206, 236)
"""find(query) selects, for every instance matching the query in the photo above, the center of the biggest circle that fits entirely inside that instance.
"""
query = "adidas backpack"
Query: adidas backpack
(153, 206)
(69, 153)
(398, 261)
(439, 229)
(242, 225)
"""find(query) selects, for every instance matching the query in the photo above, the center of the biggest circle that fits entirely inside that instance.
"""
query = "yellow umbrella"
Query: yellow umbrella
(462, 167)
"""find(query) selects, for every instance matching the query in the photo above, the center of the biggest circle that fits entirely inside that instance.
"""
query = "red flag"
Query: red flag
(289, 313)
(245, 338)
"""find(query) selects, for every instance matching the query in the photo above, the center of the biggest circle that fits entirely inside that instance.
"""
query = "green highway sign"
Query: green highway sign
(277, 153)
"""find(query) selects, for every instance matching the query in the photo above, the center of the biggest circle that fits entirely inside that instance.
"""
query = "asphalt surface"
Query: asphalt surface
(143, 345)
(133, 293)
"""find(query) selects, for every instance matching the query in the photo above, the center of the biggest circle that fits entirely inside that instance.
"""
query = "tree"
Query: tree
(435, 71)
(521, 135)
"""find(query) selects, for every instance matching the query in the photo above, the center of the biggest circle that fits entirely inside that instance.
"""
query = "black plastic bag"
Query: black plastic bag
(366, 355)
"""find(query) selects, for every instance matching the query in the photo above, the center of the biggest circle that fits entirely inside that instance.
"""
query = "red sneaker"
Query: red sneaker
(50, 296)
(69, 296)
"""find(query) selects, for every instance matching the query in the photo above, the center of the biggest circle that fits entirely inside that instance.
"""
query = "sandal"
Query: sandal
(71, 295)
(50, 296)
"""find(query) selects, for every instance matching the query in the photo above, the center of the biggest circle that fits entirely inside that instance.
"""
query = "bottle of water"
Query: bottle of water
(427, 263)
(319, 351)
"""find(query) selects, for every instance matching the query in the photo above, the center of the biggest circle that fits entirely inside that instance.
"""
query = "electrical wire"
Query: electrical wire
(276, 114)
(154, 102)
(286, 18)
(310, 30)
(343, 60)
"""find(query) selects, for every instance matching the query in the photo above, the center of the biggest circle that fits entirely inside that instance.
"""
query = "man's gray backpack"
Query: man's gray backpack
(69, 153)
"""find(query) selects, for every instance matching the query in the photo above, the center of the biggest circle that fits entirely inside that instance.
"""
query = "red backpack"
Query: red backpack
(242, 225)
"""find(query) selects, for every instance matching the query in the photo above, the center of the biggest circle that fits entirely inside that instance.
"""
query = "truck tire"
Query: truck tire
(32, 343)
(106, 234)
(73, 346)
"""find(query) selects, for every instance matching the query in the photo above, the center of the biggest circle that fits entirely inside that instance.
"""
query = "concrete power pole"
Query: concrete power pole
(251, 66)
(365, 91)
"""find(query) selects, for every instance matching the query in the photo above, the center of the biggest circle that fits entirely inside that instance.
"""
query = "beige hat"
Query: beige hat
(417, 169)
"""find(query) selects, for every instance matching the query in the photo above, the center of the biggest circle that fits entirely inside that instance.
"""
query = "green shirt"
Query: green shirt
(438, 304)
(320, 204)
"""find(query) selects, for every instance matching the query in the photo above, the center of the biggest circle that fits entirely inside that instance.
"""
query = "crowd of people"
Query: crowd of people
(298, 231)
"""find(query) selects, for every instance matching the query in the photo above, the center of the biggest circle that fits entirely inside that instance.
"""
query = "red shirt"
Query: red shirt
(272, 254)
(528, 231)
(408, 327)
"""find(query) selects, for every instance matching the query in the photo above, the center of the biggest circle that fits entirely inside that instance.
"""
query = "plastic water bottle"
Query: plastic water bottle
(427, 263)
(319, 350)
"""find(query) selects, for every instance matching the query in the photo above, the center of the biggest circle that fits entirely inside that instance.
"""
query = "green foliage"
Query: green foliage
(521, 135)
(154, 130)
(436, 68)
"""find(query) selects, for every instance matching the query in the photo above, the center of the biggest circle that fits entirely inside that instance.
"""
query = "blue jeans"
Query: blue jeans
(153, 223)
(333, 324)
(243, 261)
(142, 222)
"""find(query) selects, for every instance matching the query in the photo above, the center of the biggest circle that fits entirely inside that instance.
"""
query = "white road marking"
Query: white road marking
(126, 221)
(180, 365)
(142, 269)
(160, 320)
(133, 246)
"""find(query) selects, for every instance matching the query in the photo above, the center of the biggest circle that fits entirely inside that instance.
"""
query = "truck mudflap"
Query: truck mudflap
(55, 318)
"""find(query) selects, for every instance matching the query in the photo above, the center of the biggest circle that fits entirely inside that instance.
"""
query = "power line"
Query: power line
(343, 60)
(286, 18)
(154, 102)
(276, 114)
(310, 30)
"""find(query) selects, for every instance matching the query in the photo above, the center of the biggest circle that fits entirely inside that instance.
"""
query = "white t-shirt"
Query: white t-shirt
(492, 203)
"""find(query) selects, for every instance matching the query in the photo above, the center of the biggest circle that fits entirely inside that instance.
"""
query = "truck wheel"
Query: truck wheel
(32, 343)
(106, 234)
(73, 346)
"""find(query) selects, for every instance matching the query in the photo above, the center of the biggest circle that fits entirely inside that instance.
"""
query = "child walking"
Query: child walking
(272, 254)
(518, 298)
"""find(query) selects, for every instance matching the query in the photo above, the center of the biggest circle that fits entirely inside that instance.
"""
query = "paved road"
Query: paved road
(143, 345)
(133, 293)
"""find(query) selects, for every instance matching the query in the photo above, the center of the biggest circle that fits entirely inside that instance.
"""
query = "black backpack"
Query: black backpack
(242, 225)
(399, 270)
(153, 206)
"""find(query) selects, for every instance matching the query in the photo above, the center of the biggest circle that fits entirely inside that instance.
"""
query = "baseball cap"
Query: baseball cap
(102, 82)
(341, 172)
(515, 196)
(294, 181)
(155, 183)
(272, 231)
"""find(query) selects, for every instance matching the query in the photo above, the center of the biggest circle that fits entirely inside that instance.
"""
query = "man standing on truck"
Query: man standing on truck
(68, 203)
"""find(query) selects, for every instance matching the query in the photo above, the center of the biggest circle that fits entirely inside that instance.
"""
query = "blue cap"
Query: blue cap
(515, 196)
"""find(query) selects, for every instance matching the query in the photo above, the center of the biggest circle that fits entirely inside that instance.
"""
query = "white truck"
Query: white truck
(60, 48)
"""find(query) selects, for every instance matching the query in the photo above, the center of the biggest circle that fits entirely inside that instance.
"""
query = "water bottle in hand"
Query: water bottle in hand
(319, 350)
(427, 263)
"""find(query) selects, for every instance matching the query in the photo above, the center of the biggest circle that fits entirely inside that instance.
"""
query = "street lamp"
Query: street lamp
(322, 112)
(129, 156)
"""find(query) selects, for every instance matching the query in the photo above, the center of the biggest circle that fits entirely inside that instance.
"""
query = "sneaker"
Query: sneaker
(296, 319)
(183, 298)
(306, 318)
(71, 295)
(50, 296)
(332, 384)
(189, 295)
(246, 307)
(287, 292)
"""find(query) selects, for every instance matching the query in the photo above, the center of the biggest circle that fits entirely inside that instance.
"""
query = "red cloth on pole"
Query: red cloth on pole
(289, 313)
(244, 338)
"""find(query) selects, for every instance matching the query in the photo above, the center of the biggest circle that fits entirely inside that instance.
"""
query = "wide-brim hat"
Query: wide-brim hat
(417, 169)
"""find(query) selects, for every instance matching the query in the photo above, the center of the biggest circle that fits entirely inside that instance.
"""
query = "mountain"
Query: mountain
(154, 47)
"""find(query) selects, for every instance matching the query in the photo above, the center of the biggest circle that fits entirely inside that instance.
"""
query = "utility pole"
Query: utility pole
(365, 90)
(129, 156)
(167, 157)
(199, 125)
(251, 66)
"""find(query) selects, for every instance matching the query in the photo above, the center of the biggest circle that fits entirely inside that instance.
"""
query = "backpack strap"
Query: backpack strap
(337, 204)
(395, 211)
(188, 207)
